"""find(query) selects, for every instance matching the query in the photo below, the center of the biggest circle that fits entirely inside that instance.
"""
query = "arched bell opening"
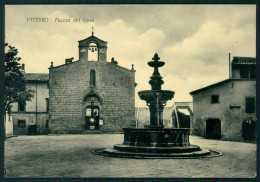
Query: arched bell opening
(92, 52)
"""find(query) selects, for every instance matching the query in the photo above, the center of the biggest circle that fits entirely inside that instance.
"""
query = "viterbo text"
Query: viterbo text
(32, 19)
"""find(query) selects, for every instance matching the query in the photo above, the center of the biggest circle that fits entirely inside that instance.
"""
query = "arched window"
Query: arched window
(92, 52)
(92, 78)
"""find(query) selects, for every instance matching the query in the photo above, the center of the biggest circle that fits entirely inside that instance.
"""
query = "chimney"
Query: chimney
(113, 61)
(69, 60)
(23, 67)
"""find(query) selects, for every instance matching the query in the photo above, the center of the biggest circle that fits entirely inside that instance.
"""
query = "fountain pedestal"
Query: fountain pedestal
(155, 141)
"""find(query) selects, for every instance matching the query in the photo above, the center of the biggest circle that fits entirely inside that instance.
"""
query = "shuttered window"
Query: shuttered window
(250, 105)
(21, 107)
(214, 99)
(21, 123)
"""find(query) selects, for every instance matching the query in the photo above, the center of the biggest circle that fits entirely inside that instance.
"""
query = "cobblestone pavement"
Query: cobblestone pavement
(70, 156)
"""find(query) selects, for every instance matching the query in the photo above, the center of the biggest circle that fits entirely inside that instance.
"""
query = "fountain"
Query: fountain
(155, 141)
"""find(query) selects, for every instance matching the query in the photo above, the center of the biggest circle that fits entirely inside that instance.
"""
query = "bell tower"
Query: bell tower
(92, 49)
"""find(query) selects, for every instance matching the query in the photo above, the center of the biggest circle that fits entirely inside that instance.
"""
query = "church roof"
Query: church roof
(63, 65)
(36, 76)
(244, 60)
(120, 67)
(92, 37)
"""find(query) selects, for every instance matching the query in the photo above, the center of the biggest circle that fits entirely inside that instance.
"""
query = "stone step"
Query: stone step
(115, 153)
(152, 149)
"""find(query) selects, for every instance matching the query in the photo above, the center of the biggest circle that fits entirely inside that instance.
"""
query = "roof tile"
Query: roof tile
(36, 76)
(243, 60)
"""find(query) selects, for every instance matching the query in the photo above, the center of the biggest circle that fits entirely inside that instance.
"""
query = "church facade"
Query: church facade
(91, 93)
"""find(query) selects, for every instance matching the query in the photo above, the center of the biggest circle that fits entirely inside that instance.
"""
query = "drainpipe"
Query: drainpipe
(230, 94)
(36, 100)
(36, 107)
(136, 117)
(229, 65)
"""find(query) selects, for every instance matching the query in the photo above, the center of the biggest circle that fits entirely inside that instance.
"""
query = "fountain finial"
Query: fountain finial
(156, 79)
(156, 58)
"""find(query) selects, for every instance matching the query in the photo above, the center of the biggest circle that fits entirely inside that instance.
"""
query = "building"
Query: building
(227, 109)
(184, 116)
(142, 115)
(91, 93)
(87, 94)
(32, 117)
(183, 119)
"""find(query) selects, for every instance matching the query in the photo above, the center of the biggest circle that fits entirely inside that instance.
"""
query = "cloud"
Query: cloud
(206, 51)
(130, 46)
(194, 41)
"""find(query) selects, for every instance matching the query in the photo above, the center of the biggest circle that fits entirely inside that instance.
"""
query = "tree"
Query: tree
(15, 83)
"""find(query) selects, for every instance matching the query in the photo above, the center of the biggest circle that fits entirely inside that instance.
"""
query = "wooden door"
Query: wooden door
(92, 117)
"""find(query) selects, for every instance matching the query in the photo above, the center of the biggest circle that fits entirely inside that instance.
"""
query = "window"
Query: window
(92, 78)
(47, 123)
(253, 73)
(21, 107)
(21, 123)
(250, 105)
(88, 112)
(244, 72)
(47, 104)
(248, 72)
(214, 99)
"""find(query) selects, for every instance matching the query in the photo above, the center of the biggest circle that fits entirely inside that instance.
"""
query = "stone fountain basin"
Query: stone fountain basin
(159, 141)
(157, 137)
(149, 95)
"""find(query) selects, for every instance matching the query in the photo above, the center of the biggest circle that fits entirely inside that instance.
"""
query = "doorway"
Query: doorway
(249, 129)
(213, 129)
(32, 130)
(92, 117)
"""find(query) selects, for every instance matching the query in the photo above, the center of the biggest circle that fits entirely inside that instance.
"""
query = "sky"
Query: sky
(193, 40)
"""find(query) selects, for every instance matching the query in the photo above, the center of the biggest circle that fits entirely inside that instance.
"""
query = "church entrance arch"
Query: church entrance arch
(92, 117)
(91, 111)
